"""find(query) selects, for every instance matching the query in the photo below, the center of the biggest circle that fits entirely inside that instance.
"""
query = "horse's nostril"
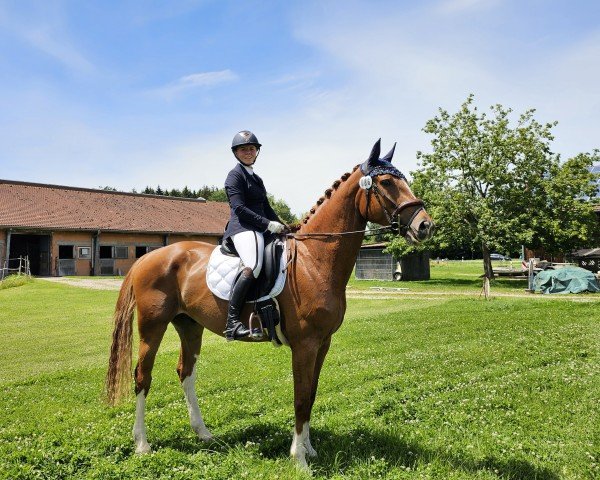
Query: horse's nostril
(425, 230)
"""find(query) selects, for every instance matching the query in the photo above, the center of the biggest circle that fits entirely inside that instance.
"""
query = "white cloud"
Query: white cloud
(194, 81)
(61, 50)
(42, 26)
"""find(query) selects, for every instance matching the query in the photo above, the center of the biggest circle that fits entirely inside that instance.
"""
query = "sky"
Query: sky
(133, 93)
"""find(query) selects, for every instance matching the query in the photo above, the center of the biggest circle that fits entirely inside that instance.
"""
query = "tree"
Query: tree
(499, 186)
(187, 193)
(572, 221)
(282, 210)
(215, 194)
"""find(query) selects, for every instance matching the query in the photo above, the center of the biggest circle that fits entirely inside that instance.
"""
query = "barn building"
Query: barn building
(80, 231)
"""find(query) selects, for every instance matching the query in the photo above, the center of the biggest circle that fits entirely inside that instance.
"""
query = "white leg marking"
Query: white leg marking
(309, 448)
(191, 399)
(139, 427)
(299, 449)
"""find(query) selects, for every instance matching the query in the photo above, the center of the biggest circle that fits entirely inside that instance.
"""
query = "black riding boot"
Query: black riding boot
(236, 329)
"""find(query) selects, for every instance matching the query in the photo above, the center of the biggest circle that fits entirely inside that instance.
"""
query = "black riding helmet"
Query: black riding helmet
(245, 137)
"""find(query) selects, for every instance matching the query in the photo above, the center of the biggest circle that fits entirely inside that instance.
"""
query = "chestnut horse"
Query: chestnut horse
(169, 286)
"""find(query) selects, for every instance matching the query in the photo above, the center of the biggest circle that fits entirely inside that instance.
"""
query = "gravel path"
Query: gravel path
(380, 293)
(94, 284)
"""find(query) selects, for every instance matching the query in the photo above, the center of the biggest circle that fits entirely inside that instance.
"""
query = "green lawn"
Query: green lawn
(443, 388)
(453, 276)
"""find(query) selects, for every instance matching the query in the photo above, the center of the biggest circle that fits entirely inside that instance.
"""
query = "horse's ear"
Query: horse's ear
(388, 157)
(375, 153)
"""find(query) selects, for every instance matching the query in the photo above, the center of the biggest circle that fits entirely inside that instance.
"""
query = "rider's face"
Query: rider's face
(246, 154)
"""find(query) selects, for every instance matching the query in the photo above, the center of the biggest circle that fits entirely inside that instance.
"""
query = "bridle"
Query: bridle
(396, 226)
(366, 183)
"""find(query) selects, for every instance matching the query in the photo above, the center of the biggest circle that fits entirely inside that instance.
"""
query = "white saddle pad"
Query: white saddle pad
(223, 269)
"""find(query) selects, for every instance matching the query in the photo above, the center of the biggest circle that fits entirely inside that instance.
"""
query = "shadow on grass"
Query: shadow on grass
(345, 452)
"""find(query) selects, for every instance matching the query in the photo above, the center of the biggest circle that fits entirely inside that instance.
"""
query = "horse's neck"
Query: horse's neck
(335, 256)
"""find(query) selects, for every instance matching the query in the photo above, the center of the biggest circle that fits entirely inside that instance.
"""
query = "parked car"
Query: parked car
(497, 256)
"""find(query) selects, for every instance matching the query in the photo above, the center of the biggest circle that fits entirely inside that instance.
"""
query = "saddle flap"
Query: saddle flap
(222, 270)
(271, 267)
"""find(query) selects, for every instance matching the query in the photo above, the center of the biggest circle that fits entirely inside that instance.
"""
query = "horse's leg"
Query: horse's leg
(315, 382)
(304, 360)
(190, 334)
(151, 333)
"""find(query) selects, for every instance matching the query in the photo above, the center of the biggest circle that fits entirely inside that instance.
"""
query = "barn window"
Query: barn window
(66, 252)
(84, 252)
(110, 251)
(141, 250)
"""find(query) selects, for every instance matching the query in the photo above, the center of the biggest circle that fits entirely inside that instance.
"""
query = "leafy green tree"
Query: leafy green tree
(498, 186)
(571, 221)
(215, 194)
(282, 210)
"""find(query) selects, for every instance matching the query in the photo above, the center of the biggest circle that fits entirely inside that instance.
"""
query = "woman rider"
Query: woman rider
(251, 217)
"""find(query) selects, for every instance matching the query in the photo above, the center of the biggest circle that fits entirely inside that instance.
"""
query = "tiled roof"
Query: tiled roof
(55, 207)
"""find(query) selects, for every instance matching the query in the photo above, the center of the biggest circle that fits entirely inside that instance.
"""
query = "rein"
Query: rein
(375, 231)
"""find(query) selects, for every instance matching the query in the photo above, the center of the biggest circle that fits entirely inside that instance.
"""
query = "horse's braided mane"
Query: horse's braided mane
(296, 226)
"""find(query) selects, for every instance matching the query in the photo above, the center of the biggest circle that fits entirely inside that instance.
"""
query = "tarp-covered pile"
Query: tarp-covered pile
(565, 280)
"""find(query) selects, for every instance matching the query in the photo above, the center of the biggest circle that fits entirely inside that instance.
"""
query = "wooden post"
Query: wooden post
(530, 275)
(20, 262)
(8, 235)
(96, 254)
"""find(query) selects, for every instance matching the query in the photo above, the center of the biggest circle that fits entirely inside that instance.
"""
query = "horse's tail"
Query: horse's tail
(119, 375)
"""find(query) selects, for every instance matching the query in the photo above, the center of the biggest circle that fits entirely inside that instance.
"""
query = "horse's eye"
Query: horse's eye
(386, 183)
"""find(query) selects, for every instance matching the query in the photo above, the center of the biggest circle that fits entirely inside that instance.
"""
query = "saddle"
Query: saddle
(225, 265)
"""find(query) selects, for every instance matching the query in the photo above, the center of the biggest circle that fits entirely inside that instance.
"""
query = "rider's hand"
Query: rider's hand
(275, 227)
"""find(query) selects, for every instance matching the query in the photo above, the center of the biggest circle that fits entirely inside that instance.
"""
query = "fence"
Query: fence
(24, 267)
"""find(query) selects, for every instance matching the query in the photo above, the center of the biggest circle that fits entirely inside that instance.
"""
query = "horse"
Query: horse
(168, 285)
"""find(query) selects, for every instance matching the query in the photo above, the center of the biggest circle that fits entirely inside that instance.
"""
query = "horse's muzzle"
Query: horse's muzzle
(425, 230)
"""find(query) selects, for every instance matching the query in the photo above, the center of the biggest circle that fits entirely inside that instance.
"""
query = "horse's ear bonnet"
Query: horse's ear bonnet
(374, 165)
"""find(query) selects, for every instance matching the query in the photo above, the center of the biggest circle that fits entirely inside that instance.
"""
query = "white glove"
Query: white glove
(275, 227)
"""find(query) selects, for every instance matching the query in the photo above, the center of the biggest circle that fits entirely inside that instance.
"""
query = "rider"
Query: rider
(251, 217)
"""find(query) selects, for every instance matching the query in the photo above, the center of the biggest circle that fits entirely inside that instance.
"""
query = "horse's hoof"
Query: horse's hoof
(203, 433)
(303, 466)
(207, 437)
(143, 449)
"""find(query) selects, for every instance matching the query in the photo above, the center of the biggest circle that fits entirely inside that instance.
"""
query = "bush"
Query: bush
(15, 281)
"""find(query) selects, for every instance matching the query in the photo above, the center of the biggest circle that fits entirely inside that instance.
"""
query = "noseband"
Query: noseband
(367, 184)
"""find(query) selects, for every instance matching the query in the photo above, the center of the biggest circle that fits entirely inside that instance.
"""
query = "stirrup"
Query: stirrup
(256, 333)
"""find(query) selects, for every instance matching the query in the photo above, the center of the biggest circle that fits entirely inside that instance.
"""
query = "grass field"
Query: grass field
(455, 276)
(440, 388)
